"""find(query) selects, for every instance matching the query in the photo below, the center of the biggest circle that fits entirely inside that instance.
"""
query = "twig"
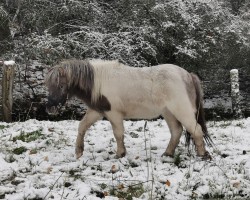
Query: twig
(150, 157)
(26, 118)
(145, 125)
(63, 191)
(53, 185)
(17, 12)
(152, 168)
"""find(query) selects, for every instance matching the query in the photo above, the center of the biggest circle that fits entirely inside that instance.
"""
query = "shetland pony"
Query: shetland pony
(116, 91)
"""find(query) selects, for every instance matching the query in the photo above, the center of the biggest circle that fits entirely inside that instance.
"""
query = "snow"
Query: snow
(5, 168)
(234, 71)
(10, 62)
(49, 168)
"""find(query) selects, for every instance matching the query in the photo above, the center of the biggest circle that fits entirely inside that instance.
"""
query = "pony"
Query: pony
(118, 92)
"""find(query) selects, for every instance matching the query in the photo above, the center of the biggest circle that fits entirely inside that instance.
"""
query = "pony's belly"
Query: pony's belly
(142, 113)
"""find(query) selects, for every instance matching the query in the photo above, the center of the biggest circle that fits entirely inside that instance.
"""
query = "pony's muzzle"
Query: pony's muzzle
(52, 106)
(52, 110)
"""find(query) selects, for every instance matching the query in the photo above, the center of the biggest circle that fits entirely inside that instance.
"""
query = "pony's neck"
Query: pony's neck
(80, 94)
(101, 105)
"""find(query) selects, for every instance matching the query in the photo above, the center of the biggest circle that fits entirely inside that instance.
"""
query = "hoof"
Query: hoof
(167, 155)
(167, 158)
(206, 156)
(78, 155)
(121, 155)
(79, 152)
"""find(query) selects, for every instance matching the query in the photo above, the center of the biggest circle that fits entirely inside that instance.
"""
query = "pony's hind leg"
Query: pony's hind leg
(176, 129)
(194, 128)
(116, 120)
(90, 118)
(197, 134)
(185, 114)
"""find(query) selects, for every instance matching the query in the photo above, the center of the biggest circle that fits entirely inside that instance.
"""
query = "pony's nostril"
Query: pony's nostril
(52, 110)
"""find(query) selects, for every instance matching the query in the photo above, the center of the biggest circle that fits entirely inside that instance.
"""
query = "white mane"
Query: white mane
(102, 71)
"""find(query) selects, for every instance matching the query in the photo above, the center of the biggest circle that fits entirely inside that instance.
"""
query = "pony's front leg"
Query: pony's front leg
(116, 121)
(90, 118)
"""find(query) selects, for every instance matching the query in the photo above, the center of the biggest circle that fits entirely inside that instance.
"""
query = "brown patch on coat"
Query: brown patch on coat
(102, 104)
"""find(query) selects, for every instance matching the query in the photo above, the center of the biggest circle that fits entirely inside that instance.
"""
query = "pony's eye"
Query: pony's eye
(61, 86)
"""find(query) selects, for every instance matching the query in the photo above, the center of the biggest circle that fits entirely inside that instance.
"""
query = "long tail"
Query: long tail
(200, 116)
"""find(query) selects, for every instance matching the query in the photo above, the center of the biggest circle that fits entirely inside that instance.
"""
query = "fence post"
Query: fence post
(235, 93)
(7, 89)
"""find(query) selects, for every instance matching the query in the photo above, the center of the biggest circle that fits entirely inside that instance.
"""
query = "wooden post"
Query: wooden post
(7, 89)
(235, 93)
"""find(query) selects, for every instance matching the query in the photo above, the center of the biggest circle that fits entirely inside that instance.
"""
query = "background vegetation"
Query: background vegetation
(205, 37)
(197, 34)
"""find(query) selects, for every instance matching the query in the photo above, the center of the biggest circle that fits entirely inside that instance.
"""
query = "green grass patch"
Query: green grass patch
(103, 186)
(177, 159)
(29, 137)
(19, 150)
(129, 192)
(74, 173)
(4, 126)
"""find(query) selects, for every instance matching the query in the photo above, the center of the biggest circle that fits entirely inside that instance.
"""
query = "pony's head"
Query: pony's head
(57, 84)
(69, 78)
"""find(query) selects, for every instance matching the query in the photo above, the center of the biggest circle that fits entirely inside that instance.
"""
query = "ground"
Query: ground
(37, 161)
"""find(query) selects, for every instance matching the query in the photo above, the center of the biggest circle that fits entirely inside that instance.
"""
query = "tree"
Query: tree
(5, 35)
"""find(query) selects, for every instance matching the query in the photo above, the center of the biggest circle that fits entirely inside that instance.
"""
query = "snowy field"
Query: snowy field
(37, 162)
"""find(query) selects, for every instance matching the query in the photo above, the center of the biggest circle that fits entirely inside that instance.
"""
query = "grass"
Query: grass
(103, 186)
(177, 159)
(75, 174)
(3, 127)
(129, 192)
(19, 150)
(29, 137)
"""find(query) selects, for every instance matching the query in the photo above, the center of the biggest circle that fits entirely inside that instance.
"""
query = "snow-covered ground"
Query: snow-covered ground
(37, 162)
